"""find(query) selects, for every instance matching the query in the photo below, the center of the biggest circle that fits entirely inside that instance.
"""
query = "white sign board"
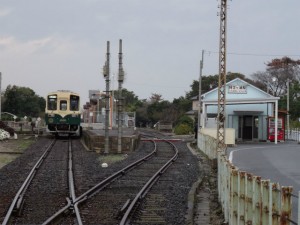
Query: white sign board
(237, 89)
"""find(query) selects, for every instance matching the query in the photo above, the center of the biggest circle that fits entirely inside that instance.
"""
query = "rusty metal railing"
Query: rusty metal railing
(246, 198)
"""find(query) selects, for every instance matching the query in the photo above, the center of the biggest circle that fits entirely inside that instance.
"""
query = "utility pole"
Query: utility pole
(106, 75)
(222, 79)
(120, 98)
(200, 90)
(0, 94)
(288, 108)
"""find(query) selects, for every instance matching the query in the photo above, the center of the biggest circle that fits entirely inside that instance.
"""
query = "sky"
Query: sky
(61, 44)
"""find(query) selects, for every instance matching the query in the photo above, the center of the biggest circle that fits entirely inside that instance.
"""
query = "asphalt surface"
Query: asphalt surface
(278, 162)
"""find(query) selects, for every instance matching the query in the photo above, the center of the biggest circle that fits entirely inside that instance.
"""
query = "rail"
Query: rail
(71, 184)
(17, 201)
(88, 194)
(148, 185)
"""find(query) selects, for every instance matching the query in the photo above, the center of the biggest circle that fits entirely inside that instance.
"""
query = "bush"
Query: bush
(185, 125)
(8, 129)
(183, 129)
(294, 124)
(186, 120)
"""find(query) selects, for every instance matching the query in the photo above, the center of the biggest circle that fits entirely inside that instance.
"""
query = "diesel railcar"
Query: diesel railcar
(62, 114)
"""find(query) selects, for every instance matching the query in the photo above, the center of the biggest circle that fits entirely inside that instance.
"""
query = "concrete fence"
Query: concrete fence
(244, 197)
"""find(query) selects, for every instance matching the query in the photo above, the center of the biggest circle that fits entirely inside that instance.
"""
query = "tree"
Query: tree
(23, 101)
(277, 73)
(212, 81)
(157, 111)
(294, 99)
(156, 97)
(130, 100)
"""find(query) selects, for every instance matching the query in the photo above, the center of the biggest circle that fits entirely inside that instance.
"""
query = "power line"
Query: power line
(252, 54)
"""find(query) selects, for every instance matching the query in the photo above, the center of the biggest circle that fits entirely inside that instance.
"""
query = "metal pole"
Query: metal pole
(113, 100)
(276, 122)
(120, 99)
(0, 94)
(222, 79)
(288, 108)
(200, 90)
(106, 150)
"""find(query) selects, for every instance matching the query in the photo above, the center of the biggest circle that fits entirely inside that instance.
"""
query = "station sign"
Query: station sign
(237, 89)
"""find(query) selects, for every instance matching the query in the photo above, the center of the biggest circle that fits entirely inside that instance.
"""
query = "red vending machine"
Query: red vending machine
(280, 129)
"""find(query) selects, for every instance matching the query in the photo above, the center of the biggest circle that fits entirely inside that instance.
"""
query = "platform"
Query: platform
(95, 140)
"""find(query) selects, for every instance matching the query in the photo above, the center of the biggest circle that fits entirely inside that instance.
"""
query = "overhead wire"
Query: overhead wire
(253, 54)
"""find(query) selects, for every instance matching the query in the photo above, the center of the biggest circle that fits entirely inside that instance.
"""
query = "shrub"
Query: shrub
(186, 120)
(10, 130)
(183, 129)
(185, 125)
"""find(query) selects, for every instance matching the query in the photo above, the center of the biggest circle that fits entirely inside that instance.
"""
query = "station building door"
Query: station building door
(248, 127)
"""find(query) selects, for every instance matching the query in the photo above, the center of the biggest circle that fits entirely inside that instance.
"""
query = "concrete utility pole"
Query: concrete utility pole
(120, 98)
(222, 78)
(106, 75)
(200, 90)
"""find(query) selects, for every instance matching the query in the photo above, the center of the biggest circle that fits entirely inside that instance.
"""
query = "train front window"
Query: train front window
(63, 105)
(52, 102)
(74, 103)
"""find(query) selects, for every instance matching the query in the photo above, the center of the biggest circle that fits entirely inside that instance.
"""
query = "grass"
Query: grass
(24, 144)
(18, 146)
(112, 158)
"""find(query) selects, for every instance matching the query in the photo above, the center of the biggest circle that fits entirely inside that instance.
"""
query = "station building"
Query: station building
(251, 113)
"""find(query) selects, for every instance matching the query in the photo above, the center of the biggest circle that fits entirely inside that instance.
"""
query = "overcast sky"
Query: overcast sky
(61, 44)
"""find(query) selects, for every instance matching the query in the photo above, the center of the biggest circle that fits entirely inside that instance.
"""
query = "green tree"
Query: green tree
(130, 100)
(23, 101)
(157, 111)
(210, 82)
(294, 99)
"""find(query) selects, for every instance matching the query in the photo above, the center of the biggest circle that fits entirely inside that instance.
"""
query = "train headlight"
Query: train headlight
(50, 120)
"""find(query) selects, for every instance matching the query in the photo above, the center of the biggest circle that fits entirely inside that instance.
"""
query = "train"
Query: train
(62, 113)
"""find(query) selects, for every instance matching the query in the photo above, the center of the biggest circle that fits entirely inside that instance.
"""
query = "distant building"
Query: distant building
(95, 110)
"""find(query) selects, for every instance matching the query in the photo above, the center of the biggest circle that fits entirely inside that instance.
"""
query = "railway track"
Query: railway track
(118, 196)
(33, 194)
(113, 195)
